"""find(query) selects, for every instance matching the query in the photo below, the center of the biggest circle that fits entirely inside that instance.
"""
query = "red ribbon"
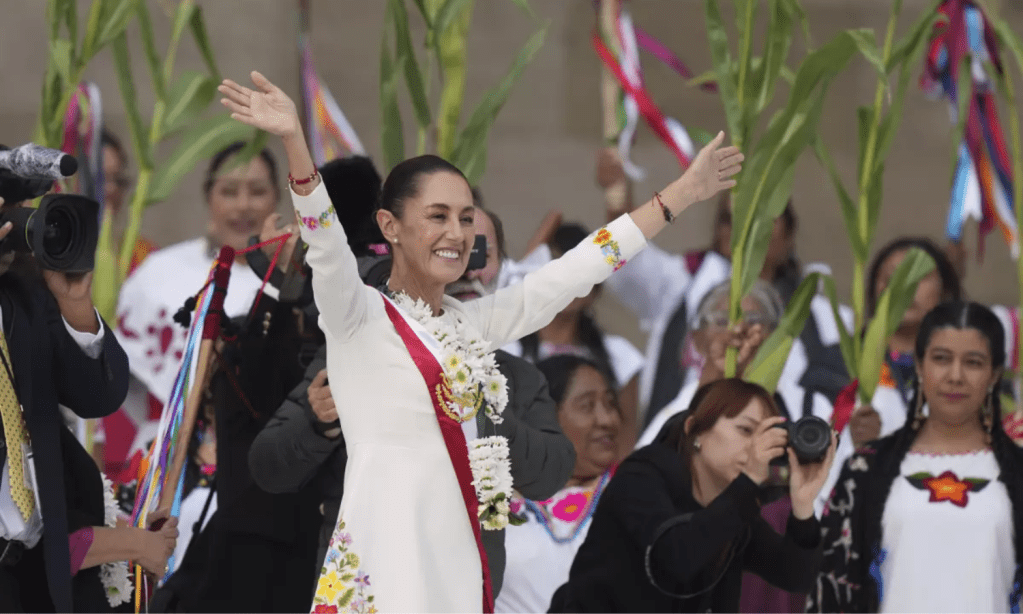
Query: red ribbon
(845, 403)
(454, 439)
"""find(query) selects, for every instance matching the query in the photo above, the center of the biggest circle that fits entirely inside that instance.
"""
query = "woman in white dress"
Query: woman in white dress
(541, 549)
(419, 483)
(928, 519)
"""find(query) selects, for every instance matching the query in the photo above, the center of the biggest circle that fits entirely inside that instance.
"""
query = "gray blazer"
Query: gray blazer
(288, 453)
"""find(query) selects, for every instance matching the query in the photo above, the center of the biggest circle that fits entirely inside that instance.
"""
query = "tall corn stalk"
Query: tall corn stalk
(863, 352)
(447, 27)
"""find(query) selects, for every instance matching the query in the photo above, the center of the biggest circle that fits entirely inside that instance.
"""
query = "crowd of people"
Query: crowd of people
(408, 419)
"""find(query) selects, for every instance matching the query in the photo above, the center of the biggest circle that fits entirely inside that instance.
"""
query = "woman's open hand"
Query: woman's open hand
(712, 169)
(806, 481)
(267, 108)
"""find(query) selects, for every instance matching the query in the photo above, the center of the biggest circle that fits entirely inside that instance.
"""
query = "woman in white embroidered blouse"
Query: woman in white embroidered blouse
(407, 536)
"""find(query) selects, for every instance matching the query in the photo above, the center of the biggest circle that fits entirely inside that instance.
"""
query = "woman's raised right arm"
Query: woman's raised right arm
(340, 295)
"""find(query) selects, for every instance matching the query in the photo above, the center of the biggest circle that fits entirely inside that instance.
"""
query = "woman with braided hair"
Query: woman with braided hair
(928, 519)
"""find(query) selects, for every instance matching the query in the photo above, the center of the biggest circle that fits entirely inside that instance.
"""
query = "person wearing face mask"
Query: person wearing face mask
(541, 550)
(679, 520)
(930, 517)
(414, 365)
(302, 445)
(239, 199)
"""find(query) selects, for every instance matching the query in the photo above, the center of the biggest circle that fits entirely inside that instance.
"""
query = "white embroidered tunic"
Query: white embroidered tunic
(403, 536)
(947, 542)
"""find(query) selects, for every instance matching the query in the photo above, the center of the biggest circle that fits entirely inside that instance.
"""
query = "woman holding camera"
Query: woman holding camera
(680, 521)
(408, 535)
(928, 519)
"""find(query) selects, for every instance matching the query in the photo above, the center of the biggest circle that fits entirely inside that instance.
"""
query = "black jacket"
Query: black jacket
(288, 454)
(50, 369)
(650, 494)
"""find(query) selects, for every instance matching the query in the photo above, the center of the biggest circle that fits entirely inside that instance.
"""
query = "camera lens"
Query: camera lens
(810, 438)
(58, 233)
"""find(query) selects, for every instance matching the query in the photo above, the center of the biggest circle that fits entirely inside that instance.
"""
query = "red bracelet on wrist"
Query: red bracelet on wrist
(310, 178)
(668, 215)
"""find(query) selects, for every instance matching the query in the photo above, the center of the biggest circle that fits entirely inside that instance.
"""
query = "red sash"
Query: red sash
(454, 439)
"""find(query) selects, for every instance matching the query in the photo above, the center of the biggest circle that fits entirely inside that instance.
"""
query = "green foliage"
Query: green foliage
(447, 27)
(177, 114)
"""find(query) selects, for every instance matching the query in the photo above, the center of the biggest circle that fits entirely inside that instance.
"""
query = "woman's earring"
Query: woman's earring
(988, 411)
(918, 411)
(696, 445)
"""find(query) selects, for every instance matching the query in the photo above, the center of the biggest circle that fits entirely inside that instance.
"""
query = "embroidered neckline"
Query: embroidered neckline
(951, 454)
(546, 512)
(470, 381)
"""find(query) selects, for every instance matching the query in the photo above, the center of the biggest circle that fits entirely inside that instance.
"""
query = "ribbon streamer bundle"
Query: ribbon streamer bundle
(330, 134)
(982, 182)
(161, 476)
(617, 45)
(83, 127)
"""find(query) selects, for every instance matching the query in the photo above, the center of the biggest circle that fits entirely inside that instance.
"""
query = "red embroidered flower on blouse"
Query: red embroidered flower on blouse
(325, 609)
(570, 507)
(947, 487)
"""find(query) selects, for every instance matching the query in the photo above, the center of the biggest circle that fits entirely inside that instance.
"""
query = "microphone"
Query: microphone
(32, 161)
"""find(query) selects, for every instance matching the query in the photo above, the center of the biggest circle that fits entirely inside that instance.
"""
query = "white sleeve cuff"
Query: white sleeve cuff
(91, 343)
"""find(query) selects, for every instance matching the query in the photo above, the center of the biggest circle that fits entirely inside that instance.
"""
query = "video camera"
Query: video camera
(63, 232)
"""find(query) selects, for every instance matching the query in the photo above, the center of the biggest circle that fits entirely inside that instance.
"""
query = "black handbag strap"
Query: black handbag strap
(197, 527)
(666, 526)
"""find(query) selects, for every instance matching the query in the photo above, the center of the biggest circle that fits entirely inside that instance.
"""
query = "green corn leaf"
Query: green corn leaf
(391, 136)
(845, 340)
(864, 117)
(891, 306)
(776, 51)
(875, 196)
(116, 20)
(745, 21)
(60, 58)
(796, 10)
(844, 200)
(757, 241)
(710, 76)
(149, 46)
(202, 40)
(126, 83)
(68, 8)
(766, 367)
(413, 76)
(254, 144)
(198, 144)
(55, 10)
(188, 97)
(447, 14)
(182, 19)
(93, 26)
(423, 12)
(866, 43)
(722, 59)
(470, 149)
(700, 137)
(451, 55)
(917, 36)
(524, 5)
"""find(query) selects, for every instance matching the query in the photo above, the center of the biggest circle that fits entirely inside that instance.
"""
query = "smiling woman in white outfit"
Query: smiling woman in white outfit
(415, 366)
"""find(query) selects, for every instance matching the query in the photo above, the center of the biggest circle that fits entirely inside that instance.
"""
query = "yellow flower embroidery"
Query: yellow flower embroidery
(330, 585)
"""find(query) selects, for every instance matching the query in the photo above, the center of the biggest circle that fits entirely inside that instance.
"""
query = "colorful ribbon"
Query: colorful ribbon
(635, 100)
(83, 127)
(330, 134)
(982, 181)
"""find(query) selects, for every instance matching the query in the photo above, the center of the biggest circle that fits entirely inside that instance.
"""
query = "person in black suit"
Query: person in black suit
(679, 521)
(60, 352)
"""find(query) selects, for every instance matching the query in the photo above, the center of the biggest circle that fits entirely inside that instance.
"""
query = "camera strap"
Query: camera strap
(666, 526)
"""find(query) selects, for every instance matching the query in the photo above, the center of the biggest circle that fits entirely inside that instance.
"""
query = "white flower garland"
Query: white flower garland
(115, 576)
(472, 377)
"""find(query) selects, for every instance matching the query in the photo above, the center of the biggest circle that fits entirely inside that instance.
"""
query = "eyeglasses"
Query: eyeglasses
(121, 181)
(720, 319)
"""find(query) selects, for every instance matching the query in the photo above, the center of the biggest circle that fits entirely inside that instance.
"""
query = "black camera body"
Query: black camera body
(809, 438)
(62, 233)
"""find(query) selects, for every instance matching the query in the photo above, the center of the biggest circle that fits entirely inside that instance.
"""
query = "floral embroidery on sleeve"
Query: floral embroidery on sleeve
(343, 585)
(609, 247)
(324, 220)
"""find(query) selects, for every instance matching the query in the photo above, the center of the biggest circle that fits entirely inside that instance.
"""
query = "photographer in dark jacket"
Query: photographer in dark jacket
(303, 443)
(680, 521)
(55, 350)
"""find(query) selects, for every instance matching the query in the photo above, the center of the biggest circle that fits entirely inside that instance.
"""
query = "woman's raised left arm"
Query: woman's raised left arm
(519, 310)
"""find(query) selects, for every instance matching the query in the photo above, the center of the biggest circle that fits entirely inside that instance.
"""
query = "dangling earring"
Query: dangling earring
(696, 445)
(987, 413)
(918, 411)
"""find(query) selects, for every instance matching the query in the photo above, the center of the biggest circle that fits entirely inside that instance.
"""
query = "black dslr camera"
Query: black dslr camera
(63, 232)
(809, 438)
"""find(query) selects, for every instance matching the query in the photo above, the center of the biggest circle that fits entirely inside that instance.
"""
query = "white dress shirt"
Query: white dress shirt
(12, 525)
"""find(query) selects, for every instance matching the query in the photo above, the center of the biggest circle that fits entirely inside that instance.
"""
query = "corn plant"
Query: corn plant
(447, 27)
(863, 348)
(177, 115)
(747, 84)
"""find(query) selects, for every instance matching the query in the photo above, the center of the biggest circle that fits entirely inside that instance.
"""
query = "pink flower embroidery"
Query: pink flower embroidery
(516, 506)
(325, 609)
(570, 507)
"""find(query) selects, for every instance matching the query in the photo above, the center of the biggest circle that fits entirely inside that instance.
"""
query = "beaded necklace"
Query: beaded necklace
(546, 521)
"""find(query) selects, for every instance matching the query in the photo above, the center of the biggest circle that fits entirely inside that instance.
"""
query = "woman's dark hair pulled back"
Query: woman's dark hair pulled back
(561, 369)
(224, 154)
(403, 181)
(951, 288)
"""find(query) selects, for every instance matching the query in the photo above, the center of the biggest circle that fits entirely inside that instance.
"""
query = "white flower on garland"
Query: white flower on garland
(471, 373)
(115, 576)
(492, 479)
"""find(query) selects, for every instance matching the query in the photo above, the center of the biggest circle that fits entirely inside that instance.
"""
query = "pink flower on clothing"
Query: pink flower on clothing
(571, 507)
